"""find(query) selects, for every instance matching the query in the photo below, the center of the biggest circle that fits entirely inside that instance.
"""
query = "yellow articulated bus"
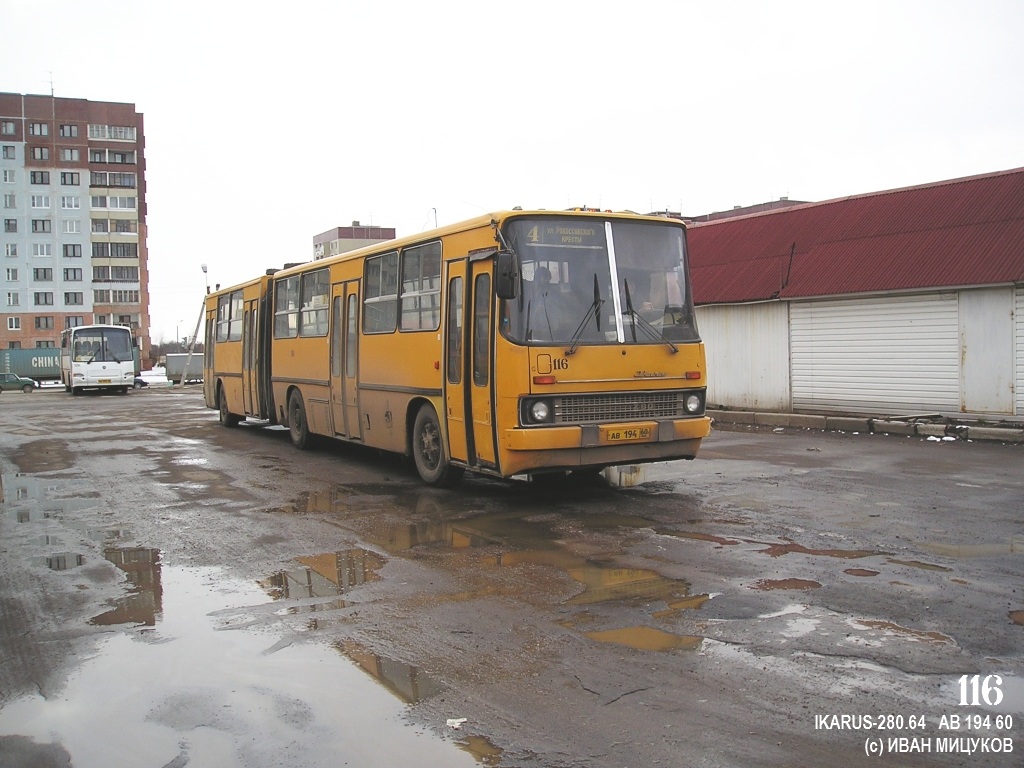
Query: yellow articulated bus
(517, 343)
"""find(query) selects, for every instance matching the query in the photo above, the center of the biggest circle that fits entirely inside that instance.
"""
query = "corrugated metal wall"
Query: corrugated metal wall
(1018, 313)
(885, 356)
(747, 349)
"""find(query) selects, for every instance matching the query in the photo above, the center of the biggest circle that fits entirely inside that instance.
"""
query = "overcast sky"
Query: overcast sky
(267, 124)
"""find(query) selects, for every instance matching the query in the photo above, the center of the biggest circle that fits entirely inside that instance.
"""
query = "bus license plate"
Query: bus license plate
(103, 381)
(629, 433)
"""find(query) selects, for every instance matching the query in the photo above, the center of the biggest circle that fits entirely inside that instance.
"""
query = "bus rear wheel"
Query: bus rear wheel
(429, 453)
(298, 427)
(227, 418)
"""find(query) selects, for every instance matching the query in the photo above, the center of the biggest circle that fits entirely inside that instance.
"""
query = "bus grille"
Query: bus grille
(625, 406)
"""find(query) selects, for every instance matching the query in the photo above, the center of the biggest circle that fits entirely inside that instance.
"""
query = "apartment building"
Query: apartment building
(73, 241)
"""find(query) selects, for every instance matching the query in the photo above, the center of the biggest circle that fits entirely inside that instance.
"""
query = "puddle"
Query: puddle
(692, 603)
(860, 572)
(772, 584)
(647, 639)
(778, 550)
(919, 564)
(720, 540)
(906, 632)
(187, 692)
(482, 750)
(1017, 617)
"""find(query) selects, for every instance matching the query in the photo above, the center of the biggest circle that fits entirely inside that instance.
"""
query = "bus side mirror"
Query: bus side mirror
(506, 275)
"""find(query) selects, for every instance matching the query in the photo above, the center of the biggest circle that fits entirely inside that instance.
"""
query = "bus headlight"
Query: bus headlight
(540, 411)
(694, 404)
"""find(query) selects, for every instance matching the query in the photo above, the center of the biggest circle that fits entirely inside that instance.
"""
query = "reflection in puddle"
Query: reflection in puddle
(1014, 546)
(143, 604)
(647, 639)
(906, 632)
(407, 682)
(770, 584)
(188, 692)
(62, 562)
(326, 575)
(482, 750)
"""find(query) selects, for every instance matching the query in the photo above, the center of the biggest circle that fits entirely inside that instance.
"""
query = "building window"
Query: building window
(38, 129)
(74, 298)
(6, 128)
(124, 297)
(122, 180)
(120, 157)
(97, 155)
(10, 249)
(13, 300)
(41, 225)
(72, 250)
(73, 321)
(39, 177)
(14, 345)
(42, 249)
(69, 155)
(72, 226)
(100, 225)
(119, 274)
(121, 201)
(71, 178)
(40, 201)
(44, 323)
(12, 274)
(116, 132)
(42, 299)
(8, 152)
(13, 323)
(70, 202)
(10, 225)
(124, 250)
(98, 201)
(69, 131)
(125, 226)
(73, 274)
(40, 153)
(101, 297)
(42, 274)
(10, 176)
(10, 201)
(45, 345)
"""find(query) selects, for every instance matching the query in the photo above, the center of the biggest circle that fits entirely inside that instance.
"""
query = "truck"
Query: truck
(37, 364)
(175, 367)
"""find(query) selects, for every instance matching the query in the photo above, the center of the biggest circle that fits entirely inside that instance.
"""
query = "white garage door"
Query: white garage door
(885, 356)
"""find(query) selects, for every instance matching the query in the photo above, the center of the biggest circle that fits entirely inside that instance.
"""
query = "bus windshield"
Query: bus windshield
(102, 345)
(592, 281)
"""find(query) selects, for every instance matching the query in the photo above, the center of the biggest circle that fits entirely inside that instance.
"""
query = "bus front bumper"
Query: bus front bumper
(594, 445)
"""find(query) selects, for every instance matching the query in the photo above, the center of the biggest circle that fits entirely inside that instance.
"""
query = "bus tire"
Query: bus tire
(429, 451)
(298, 427)
(227, 418)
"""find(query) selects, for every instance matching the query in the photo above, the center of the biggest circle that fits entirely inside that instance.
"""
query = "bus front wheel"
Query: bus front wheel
(428, 451)
(298, 427)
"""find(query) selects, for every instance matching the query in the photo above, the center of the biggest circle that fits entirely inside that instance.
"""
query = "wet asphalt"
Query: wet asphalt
(176, 593)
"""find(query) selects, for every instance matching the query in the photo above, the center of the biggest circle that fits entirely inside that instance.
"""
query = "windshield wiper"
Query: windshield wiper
(653, 332)
(594, 311)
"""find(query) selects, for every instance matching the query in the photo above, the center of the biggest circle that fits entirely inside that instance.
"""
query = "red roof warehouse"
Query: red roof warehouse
(962, 232)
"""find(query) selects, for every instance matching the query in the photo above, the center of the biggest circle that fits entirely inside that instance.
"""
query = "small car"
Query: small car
(140, 382)
(12, 382)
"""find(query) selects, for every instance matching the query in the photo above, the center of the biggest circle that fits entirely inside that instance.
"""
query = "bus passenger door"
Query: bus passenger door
(455, 392)
(250, 380)
(345, 360)
(479, 351)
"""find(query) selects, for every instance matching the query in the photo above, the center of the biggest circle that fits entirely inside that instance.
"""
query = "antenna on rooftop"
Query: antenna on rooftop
(51, 83)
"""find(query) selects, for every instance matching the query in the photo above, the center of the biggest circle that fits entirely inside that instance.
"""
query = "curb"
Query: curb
(908, 428)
